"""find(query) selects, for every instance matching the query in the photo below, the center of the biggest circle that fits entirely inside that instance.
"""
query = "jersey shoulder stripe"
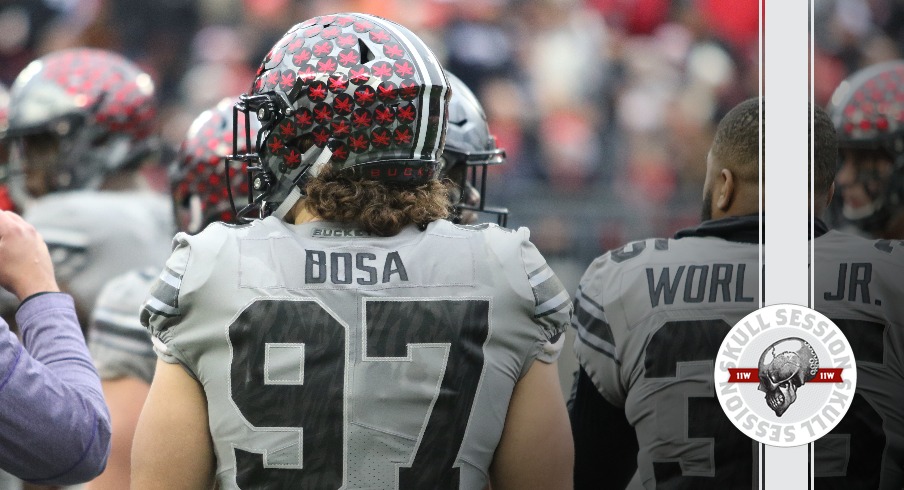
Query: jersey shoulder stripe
(164, 296)
(550, 295)
(591, 326)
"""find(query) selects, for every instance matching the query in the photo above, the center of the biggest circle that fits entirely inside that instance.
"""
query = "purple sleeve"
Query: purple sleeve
(55, 424)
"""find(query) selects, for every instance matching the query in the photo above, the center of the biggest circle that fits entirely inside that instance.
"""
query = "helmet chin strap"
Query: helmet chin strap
(295, 194)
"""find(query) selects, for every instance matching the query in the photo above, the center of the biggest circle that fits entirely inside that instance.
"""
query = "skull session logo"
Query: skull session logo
(785, 375)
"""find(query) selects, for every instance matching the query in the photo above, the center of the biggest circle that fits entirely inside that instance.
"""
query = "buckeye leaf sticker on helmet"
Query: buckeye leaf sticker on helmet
(355, 91)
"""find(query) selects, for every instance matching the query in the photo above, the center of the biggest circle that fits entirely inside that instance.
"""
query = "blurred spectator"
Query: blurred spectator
(852, 34)
(480, 43)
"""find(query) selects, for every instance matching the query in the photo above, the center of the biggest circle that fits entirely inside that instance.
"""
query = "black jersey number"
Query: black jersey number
(733, 452)
(852, 454)
(308, 405)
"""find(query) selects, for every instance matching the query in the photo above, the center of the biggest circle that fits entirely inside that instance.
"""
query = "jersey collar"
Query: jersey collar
(741, 229)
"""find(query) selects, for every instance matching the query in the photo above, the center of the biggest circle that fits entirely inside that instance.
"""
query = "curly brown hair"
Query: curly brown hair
(378, 207)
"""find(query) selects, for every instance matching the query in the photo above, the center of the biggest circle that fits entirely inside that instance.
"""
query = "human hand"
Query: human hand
(25, 266)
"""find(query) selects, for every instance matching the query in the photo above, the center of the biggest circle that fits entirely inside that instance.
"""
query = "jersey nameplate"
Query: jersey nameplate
(362, 268)
(303, 267)
(697, 284)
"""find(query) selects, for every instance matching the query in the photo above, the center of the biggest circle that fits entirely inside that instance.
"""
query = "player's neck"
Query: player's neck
(301, 214)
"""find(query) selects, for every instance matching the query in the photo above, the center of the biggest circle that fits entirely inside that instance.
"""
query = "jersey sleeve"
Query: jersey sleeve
(168, 309)
(552, 303)
(595, 341)
(56, 426)
(119, 344)
(547, 302)
(162, 310)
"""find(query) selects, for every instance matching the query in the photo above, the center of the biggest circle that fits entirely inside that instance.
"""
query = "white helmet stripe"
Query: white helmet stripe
(431, 78)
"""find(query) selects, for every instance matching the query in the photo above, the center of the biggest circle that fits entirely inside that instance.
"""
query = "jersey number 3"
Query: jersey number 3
(309, 404)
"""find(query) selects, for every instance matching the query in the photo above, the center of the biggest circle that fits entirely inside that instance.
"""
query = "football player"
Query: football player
(119, 344)
(365, 340)
(81, 124)
(865, 109)
(650, 318)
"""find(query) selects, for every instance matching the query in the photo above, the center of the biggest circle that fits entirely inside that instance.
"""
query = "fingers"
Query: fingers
(9, 218)
(25, 264)
(12, 224)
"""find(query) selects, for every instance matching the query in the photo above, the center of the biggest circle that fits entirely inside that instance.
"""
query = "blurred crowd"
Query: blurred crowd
(606, 107)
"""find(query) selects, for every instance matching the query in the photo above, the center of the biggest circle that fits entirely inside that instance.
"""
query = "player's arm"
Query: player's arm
(536, 449)
(172, 448)
(125, 359)
(605, 444)
(125, 397)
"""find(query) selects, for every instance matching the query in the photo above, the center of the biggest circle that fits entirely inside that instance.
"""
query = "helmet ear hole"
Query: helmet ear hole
(366, 54)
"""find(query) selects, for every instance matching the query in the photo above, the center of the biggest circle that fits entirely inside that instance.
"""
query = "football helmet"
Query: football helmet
(867, 112)
(355, 91)
(77, 115)
(470, 149)
(199, 192)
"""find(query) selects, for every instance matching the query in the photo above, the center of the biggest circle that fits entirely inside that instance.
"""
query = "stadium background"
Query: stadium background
(606, 107)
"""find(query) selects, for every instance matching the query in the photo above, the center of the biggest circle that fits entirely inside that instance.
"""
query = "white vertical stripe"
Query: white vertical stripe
(761, 448)
(762, 180)
(428, 83)
(812, 148)
(787, 123)
(787, 201)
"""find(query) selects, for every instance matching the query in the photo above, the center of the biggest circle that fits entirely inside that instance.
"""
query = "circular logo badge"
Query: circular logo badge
(785, 375)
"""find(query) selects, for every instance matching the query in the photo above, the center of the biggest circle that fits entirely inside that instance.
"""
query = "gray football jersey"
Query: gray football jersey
(94, 236)
(120, 345)
(335, 359)
(860, 286)
(651, 316)
(649, 320)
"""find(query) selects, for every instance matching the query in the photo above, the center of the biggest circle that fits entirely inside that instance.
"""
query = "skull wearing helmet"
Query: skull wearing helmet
(784, 367)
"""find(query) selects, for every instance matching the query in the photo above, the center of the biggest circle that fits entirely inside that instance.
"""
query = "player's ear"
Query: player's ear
(726, 189)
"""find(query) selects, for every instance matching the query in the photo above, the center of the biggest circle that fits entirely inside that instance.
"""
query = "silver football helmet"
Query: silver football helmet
(470, 150)
(353, 91)
(75, 116)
